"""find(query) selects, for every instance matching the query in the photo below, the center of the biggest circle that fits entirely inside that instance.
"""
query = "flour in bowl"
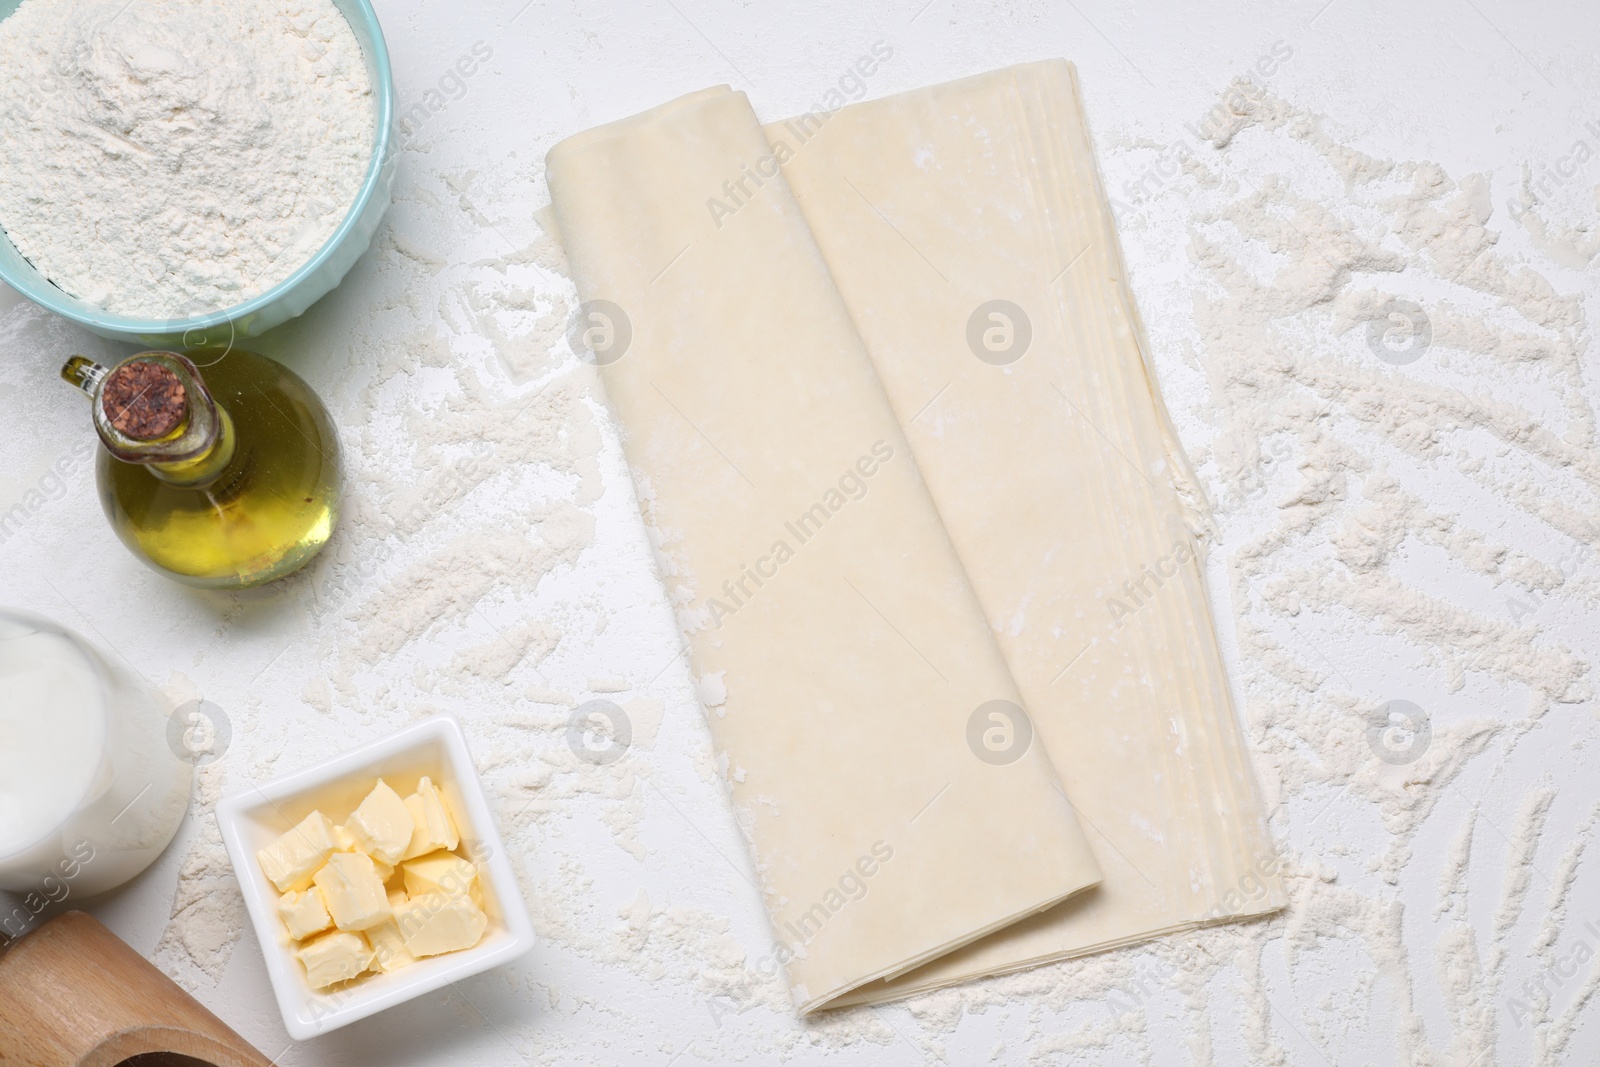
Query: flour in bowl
(166, 158)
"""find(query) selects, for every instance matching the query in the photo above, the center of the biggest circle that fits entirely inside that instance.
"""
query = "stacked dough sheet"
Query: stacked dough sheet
(892, 422)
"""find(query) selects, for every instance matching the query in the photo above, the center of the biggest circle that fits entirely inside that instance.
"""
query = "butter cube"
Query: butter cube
(352, 891)
(291, 860)
(335, 957)
(435, 829)
(344, 839)
(436, 923)
(387, 944)
(439, 872)
(304, 913)
(382, 825)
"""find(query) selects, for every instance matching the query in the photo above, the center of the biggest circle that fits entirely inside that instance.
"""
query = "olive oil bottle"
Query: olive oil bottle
(220, 468)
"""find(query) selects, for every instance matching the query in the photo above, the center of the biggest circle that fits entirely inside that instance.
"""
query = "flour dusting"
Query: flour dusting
(1364, 357)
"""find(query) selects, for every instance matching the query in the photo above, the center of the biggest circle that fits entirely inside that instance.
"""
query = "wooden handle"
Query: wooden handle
(73, 995)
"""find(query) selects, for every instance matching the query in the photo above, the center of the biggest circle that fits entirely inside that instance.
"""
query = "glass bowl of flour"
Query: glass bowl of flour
(181, 174)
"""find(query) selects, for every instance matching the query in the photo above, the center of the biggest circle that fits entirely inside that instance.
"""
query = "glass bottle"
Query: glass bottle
(222, 479)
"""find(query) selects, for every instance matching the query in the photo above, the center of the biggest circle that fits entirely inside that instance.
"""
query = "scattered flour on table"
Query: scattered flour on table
(166, 157)
(1351, 492)
(1377, 363)
(208, 915)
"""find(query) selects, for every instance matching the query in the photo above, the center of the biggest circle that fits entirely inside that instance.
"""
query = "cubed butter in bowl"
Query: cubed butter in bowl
(374, 877)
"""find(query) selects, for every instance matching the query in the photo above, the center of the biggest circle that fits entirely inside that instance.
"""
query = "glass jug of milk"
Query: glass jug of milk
(91, 791)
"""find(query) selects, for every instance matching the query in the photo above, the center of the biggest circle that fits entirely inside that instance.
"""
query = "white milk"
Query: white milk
(52, 731)
(90, 790)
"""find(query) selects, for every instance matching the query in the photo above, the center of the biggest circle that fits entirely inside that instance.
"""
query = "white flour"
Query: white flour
(479, 572)
(164, 158)
(1356, 496)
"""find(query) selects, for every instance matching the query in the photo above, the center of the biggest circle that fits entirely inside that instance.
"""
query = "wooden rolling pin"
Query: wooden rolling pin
(73, 995)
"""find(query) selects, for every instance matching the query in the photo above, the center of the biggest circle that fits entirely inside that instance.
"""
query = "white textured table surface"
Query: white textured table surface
(1400, 517)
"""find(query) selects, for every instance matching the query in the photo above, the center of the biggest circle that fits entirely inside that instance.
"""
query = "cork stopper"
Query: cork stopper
(144, 401)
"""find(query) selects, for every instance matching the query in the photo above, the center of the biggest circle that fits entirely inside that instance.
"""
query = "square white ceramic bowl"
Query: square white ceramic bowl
(253, 818)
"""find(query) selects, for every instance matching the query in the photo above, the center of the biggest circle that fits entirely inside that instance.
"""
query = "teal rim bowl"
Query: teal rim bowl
(290, 298)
